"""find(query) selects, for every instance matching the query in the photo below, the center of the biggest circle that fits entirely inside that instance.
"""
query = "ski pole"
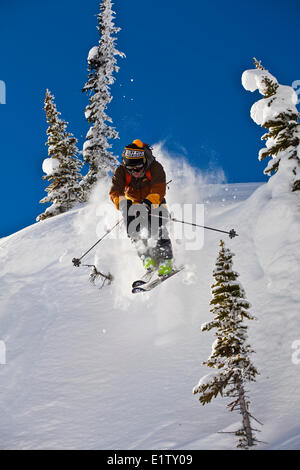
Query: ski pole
(232, 233)
(77, 261)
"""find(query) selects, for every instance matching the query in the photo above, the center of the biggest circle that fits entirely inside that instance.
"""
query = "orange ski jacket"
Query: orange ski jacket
(151, 186)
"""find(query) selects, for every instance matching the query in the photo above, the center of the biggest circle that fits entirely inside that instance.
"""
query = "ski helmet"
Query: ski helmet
(134, 155)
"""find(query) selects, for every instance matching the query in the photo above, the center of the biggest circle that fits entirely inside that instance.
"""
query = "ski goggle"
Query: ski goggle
(134, 169)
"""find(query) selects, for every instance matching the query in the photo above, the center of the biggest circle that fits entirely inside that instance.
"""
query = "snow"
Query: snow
(93, 53)
(104, 369)
(254, 79)
(261, 111)
(268, 108)
(50, 165)
(87, 113)
(88, 143)
(207, 379)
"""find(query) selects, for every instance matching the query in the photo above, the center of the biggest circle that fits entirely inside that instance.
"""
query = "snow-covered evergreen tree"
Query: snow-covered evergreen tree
(277, 113)
(230, 355)
(63, 165)
(102, 63)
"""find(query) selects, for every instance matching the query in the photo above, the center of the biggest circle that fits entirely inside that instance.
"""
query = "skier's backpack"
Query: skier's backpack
(148, 154)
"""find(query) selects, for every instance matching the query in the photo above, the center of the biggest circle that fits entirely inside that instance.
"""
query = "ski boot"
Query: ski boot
(165, 267)
(149, 263)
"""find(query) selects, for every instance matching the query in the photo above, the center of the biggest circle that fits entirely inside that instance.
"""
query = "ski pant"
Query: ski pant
(148, 231)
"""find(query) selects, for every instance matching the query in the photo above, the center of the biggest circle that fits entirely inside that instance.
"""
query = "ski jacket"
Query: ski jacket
(153, 189)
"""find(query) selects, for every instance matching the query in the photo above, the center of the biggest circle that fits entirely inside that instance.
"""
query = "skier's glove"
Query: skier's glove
(124, 207)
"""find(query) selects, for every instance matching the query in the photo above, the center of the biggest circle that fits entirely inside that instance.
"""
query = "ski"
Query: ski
(145, 287)
(144, 279)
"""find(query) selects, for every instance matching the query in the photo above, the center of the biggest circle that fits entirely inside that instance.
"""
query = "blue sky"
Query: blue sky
(180, 82)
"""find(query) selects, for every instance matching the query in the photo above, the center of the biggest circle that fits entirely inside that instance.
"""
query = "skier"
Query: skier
(138, 191)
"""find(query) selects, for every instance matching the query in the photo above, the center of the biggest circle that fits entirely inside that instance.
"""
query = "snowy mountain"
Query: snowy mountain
(90, 368)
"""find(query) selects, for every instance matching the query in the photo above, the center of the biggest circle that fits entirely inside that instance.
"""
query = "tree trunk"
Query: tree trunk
(245, 415)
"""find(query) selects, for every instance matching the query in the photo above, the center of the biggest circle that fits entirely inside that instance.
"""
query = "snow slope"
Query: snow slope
(103, 369)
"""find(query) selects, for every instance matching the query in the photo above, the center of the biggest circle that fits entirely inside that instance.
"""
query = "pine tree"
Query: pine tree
(63, 165)
(230, 355)
(277, 113)
(101, 65)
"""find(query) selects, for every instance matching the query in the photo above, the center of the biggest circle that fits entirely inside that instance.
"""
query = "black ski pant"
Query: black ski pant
(147, 230)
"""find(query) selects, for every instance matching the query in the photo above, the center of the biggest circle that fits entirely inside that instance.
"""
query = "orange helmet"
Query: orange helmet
(134, 154)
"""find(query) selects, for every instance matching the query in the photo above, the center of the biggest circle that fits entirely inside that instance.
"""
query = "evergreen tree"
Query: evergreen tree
(62, 167)
(101, 65)
(230, 355)
(277, 113)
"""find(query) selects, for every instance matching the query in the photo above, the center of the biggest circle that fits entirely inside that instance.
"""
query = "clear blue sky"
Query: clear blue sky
(185, 59)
